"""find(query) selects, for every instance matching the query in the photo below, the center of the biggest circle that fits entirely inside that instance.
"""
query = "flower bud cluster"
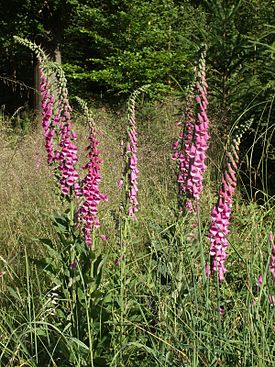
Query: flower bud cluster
(47, 104)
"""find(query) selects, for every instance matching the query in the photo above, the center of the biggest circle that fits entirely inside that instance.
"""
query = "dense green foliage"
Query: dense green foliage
(115, 46)
(129, 43)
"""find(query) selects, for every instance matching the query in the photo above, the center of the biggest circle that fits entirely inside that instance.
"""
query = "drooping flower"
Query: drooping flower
(88, 210)
(66, 155)
(104, 237)
(56, 120)
(47, 105)
(192, 144)
(221, 213)
(131, 152)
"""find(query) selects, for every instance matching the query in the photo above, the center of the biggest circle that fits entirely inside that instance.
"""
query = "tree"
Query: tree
(125, 44)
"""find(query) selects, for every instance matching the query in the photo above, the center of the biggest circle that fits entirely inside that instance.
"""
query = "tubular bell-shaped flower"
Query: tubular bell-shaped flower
(56, 121)
(131, 152)
(88, 211)
(67, 154)
(192, 144)
(47, 105)
(47, 101)
(221, 212)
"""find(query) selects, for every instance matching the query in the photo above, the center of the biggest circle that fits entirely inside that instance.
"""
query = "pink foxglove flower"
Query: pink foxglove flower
(104, 237)
(272, 258)
(47, 104)
(221, 212)
(88, 211)
(54, 122)
(192, 144)
(132, 157)
(67, 155)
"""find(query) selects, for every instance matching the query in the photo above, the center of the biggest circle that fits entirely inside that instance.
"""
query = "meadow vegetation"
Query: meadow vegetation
(155, 307)
(137, 225)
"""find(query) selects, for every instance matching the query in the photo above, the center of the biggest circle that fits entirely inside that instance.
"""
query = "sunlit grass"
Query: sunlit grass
(173, 315)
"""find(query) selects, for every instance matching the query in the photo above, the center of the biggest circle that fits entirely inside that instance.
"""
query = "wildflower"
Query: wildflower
(67, 156)
(220, 310)
(190, 148)
(119, 259)
(221, 212)
(260, 280)
(88, 211)
(104, 237)
(120, 184)
(132, 157)
(47, 112)
(272, 258)
(73, 265)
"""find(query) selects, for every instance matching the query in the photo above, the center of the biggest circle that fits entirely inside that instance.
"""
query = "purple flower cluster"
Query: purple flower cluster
(67, 157)
(199, 146)
(88, 212)
(272, 258)
(132, 162)
(66, 154)
(190, 149)
(47, 112)
(221, 212)
(182, 146)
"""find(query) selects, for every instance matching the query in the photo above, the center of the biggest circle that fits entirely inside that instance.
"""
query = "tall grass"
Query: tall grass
(154, 308)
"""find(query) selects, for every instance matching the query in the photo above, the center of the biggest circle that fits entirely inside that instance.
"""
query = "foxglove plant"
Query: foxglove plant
(57, 125)
(47, 105)
(88, 210)
(66, 155)
(181, 148)
(272, 257)
(191, 147)
(220, 214)
(131, 153)
(48, 100)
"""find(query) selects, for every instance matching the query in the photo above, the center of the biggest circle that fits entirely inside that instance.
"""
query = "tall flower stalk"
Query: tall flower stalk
(47, 105)
(221, 212)
(131, 153)
(272, 257)
(88, 210)
(192, 144)
(60, 140)
(67, 154)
